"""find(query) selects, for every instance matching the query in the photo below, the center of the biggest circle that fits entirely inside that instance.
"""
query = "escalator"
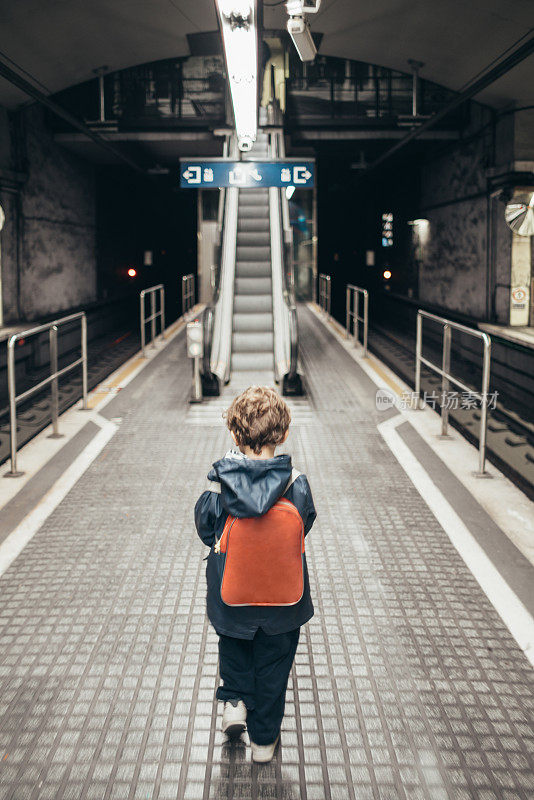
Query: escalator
(250, 329)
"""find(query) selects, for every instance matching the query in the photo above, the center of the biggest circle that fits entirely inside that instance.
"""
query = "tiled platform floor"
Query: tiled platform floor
(406, 683)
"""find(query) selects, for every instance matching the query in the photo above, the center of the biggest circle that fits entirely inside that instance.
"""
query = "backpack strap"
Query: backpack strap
(294, 475)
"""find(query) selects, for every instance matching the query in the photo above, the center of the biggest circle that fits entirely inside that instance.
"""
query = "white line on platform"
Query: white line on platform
(511, 610)
(23, 533)
(511, 510)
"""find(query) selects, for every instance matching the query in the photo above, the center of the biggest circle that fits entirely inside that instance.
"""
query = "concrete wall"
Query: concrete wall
(454, 256)
(524, 135)
(464, 262)
(49, 241)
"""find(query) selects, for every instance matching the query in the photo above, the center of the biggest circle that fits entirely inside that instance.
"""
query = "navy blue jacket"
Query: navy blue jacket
(249, 488)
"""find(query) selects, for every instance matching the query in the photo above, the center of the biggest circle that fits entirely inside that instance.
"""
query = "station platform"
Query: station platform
(414, 679)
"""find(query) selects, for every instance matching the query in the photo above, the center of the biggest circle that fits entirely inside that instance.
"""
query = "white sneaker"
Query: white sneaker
(262, 753)
(234, 719)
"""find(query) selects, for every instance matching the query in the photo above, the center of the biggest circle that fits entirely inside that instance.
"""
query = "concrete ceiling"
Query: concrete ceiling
(61, 42)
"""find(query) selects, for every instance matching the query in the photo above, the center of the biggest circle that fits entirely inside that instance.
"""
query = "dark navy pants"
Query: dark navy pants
(256, 671)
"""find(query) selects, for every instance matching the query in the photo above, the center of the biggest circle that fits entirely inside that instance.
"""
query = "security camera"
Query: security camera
(299, 29)
(295, 8)
(300, 33)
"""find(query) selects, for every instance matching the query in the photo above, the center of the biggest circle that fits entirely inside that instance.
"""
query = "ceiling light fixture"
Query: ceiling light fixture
(239, 33)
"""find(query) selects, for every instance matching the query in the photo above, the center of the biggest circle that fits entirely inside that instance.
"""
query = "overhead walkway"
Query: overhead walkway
(407, 683)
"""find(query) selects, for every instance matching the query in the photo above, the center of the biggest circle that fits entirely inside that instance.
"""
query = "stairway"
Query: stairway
(252, 330)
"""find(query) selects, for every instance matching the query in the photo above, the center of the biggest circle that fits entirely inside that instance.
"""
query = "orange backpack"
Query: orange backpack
(263, 557)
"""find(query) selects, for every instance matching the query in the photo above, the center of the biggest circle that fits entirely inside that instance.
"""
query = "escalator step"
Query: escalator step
(253, 269)
(249, 253)
(255, 238)
(252, 342)
(254, 286)
(248, 194)
(252, 303)
(255, 224)
(253, 322)
(245, 362)
(254, 211)
(260, 204)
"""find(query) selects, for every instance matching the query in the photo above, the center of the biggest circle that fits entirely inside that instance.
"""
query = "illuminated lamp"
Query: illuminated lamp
(387, 274)
(239, 33)
(132, 272)
(290, 191)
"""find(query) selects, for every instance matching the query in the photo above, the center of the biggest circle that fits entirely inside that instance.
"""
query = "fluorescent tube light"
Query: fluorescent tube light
(239, 33)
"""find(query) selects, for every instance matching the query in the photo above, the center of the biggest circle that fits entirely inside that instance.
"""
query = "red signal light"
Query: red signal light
(132, 272)
(387, 274)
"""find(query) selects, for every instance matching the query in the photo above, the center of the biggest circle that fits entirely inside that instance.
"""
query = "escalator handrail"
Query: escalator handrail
(294, 342)
(222, 324)
(207, 331)
(290, 322)
(220, 309)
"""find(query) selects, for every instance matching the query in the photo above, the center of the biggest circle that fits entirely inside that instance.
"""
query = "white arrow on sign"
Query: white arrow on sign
(193, 174)
(301, 175)
(256, 175)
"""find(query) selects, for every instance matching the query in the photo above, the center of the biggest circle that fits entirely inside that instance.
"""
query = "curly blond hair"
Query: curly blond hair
(258, 417)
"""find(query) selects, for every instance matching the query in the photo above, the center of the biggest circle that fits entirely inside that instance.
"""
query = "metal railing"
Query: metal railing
(325, 292)
(447, 378)
(360, 91)
(53, 378)
(352, 317)
(153, 314)
(188, 293)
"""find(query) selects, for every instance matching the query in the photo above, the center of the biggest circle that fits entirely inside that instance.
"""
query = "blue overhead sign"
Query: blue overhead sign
(221, 173)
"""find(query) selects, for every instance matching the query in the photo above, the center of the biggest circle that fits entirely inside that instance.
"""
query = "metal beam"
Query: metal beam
(24, 85)
(486, 80)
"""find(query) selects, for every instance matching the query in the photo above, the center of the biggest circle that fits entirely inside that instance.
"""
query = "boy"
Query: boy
(257, 644)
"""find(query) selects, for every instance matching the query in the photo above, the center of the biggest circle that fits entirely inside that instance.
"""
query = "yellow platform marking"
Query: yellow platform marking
(385, 377)
(103, 389)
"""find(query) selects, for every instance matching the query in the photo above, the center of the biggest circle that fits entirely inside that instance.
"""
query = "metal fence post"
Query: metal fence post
(154, 314)
(162, 308)
(347, 313)
(365, 320)
(12, 407)
(153, 318)
(446, 377)
(84, 363)
(418, 348)
(484, 405)
(52, 379)
(356, 317)
(142, 317)
(445, 366)
(54, 390)
(353, 311)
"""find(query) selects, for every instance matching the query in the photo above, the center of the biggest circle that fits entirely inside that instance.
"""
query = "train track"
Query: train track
(105, 355)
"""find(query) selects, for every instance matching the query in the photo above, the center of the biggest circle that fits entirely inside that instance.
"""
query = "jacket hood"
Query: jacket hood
(249, 487)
